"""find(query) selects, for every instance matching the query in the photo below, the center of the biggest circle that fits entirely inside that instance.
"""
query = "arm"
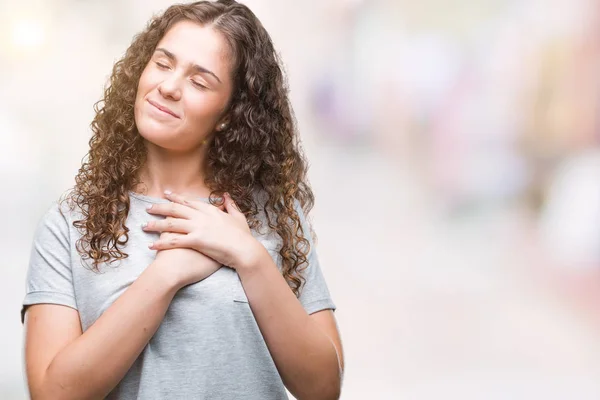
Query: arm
(63, 363)
(306, 348)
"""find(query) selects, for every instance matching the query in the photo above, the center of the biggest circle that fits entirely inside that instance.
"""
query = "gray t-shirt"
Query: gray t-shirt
(208, 346)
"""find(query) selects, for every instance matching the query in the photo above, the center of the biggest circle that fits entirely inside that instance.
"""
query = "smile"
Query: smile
(163, 109)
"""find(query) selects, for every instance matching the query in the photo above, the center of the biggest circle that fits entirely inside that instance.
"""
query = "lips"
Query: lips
(163, 108)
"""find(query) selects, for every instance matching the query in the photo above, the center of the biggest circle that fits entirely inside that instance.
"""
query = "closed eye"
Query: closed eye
(162, 66)
(199, 85)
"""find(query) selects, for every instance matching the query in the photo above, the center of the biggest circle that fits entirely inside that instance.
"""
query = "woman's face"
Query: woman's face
(184, 89)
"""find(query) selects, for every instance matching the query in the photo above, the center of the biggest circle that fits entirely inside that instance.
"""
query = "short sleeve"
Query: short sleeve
(49, 276)
(314, 295)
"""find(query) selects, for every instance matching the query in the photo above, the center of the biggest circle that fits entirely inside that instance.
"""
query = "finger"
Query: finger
(230, 205)
(172, 242)
(172, 209)
(195, 204)
(221, 206)
(168, 235)
(234, 210)
(168, 224)
(185, 200)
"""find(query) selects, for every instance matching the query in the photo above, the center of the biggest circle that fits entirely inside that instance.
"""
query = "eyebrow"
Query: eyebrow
(197, 68)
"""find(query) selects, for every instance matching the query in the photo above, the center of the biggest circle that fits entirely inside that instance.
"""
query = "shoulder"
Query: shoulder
(60, 214)
(269, 234)
(261, 197)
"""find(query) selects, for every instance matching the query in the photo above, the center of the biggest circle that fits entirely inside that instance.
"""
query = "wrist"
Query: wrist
(163, 277)
(253, 256)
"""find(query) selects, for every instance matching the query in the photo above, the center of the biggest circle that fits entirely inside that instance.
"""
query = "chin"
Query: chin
(156, 135)
(163, 138)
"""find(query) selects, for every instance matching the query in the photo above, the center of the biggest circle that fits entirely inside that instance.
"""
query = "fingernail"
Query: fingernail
(150, 245)
(168, 192)
(145, 224)
(149, 207)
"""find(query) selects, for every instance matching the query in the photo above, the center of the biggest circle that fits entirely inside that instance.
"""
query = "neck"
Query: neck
(179, 172)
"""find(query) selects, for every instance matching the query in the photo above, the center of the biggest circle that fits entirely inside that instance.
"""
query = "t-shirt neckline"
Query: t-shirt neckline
(156, 200)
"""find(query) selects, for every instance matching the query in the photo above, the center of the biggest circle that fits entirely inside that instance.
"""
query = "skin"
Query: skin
(173, 80)
(62, 362)
(306, 348)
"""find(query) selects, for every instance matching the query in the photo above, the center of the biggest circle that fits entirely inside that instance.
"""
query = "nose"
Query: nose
(170, 88)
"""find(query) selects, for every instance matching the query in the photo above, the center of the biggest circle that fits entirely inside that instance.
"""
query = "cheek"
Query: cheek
(202, 108)
(143, 84)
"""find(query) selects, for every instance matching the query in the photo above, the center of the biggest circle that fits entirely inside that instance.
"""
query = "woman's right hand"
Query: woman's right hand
(183, 267)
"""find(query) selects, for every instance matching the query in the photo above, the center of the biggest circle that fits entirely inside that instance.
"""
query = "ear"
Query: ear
(223, 124)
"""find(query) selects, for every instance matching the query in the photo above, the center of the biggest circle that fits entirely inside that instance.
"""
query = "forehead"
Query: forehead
(192, 43)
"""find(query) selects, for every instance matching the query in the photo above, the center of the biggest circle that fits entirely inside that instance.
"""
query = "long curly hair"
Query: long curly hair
(260, 152)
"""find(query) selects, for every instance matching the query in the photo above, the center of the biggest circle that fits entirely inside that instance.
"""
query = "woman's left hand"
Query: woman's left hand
(221, 234)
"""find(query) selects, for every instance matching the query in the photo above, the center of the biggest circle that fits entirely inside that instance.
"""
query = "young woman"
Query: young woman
(181, 265)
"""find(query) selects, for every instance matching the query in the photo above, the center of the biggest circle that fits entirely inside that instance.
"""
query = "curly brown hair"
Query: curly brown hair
(260, 152)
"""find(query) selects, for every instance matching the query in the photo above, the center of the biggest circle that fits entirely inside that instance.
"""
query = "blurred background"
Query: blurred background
(455, 158)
